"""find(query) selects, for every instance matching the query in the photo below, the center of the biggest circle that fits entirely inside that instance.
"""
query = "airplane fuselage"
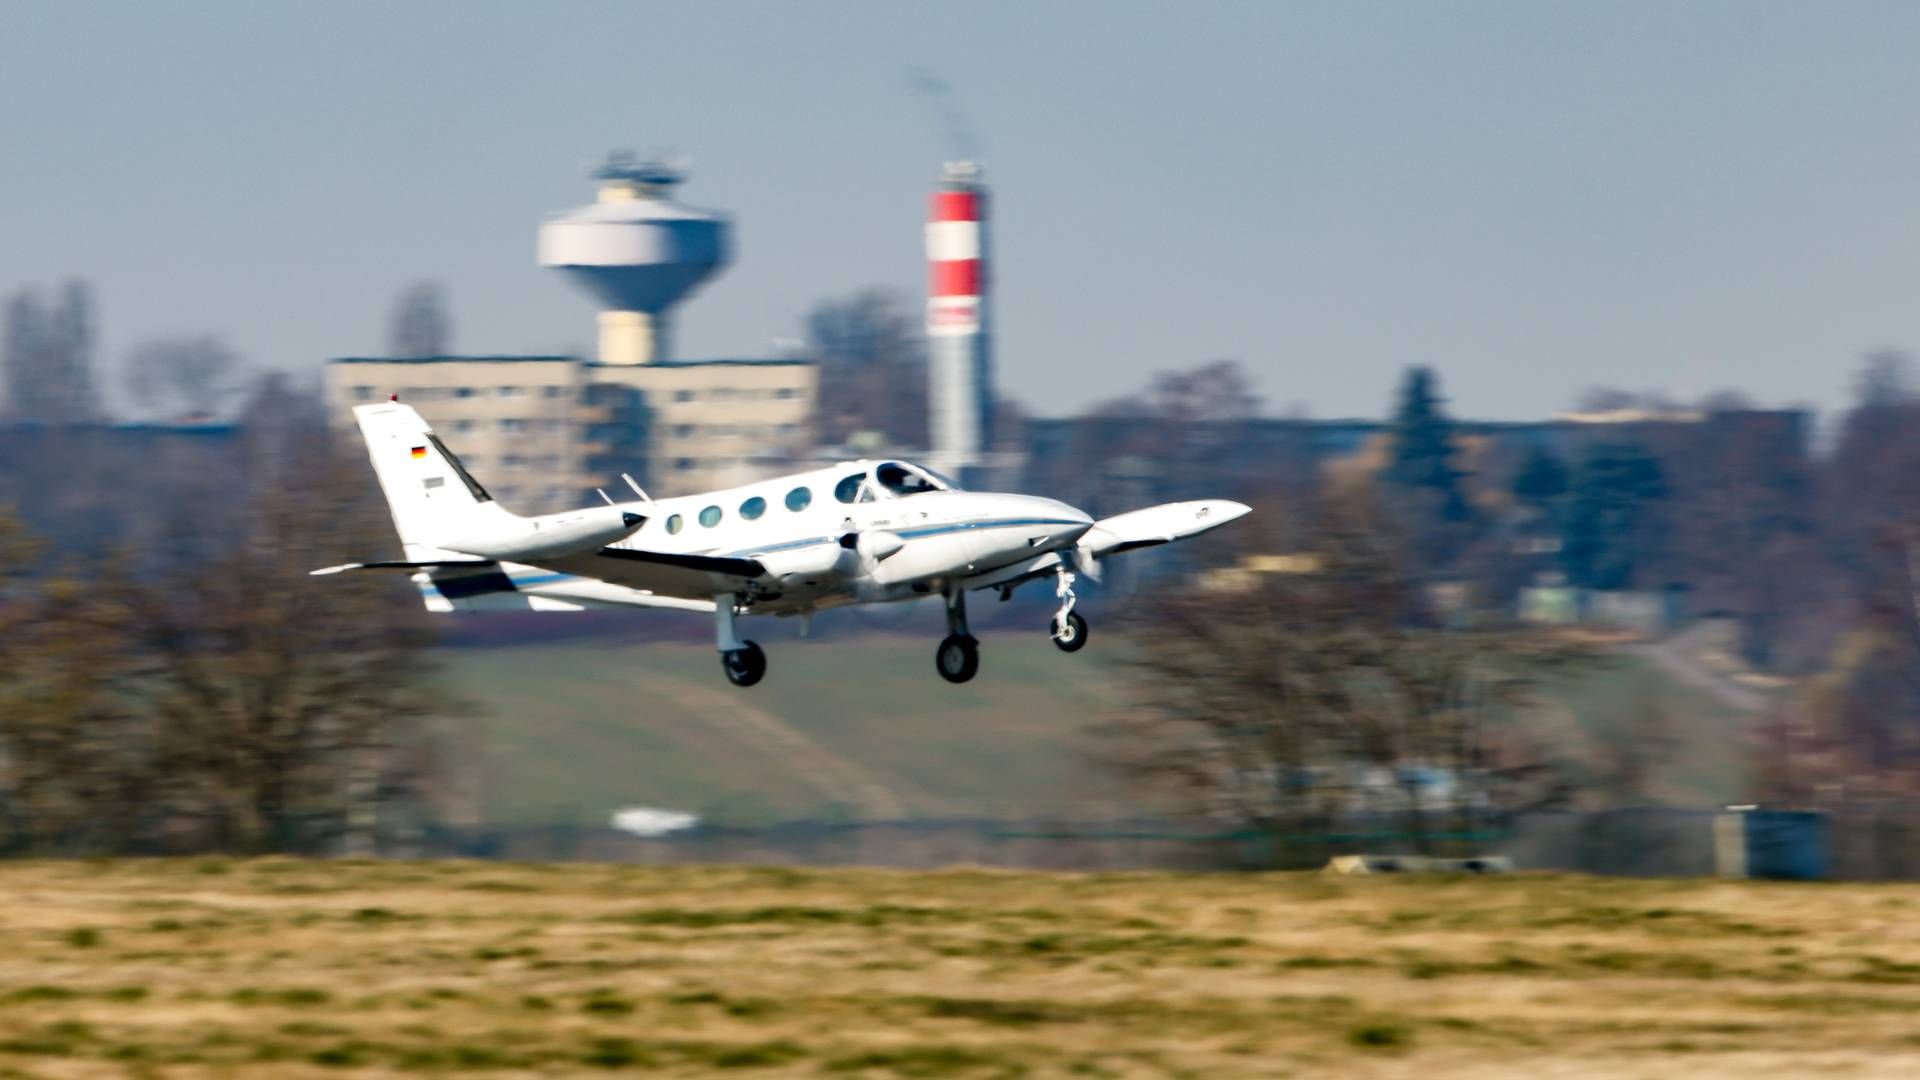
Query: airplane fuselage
(857, 532)
(833, 536)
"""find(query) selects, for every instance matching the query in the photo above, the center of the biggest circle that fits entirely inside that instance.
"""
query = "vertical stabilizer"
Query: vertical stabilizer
(430, 494)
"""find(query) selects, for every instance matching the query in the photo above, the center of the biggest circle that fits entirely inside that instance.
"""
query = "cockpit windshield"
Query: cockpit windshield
(902, 479)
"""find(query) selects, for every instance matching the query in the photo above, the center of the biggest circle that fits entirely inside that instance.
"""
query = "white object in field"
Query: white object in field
(652, 821)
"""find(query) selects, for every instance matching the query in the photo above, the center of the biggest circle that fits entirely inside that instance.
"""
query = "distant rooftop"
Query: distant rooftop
(214, 428)
(491, 359)
(781, 361)
(1632, 416)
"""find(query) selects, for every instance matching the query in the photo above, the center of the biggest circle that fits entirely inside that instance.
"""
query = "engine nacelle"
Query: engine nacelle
(807, 565)
(550, 536)
(879, 545)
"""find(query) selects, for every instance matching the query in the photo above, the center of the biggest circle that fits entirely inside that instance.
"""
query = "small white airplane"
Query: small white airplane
(857, 533)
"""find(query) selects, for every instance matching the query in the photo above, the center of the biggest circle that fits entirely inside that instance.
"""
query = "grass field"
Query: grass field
(859, 728)
(290, 968)
(862, 727)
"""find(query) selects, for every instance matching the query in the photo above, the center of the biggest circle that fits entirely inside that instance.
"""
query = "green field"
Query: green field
(862, 727)
(286, 968)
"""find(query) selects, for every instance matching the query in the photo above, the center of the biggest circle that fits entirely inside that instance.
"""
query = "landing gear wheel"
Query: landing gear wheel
(744, 666)
(1073, 636)
(958, 658)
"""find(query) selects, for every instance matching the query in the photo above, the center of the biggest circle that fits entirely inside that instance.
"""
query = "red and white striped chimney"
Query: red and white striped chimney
(960, 360)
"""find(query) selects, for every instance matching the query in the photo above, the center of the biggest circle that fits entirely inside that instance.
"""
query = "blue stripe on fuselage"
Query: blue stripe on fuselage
(915, 533)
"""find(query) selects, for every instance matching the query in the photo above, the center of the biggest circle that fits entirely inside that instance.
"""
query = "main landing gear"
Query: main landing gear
(743, 661)
(1069, 627)
(958, 657)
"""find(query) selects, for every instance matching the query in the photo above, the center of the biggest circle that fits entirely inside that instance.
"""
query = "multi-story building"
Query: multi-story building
(712, 423)
(542, 431)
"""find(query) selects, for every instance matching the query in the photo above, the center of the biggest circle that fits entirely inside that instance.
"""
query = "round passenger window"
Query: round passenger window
(799, 499)
(674, 524)
(753, 508)
(849, 489)
(710, 516)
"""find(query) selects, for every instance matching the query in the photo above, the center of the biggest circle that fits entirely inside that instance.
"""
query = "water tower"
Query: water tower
(638, 252)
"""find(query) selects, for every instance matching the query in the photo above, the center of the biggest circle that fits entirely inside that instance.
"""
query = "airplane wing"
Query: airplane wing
(664, 577)
(692, 577)
(1161, 524)
(1121, 533)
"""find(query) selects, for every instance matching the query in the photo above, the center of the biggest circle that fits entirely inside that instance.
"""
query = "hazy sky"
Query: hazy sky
(1533, 197)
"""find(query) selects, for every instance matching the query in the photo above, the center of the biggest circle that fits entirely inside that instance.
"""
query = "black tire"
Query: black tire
(1075, 637)
(744, 666)
(957, 659)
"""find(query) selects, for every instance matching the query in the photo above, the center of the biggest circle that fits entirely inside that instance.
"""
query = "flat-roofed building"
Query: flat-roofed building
(718, 423)
(542, 431)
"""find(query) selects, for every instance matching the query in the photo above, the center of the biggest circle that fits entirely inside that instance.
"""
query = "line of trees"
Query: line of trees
(1261, 703)
(189, 687)
(49, 371)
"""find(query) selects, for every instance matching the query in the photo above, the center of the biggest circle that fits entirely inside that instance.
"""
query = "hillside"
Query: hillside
(861, 727)
(282, 968)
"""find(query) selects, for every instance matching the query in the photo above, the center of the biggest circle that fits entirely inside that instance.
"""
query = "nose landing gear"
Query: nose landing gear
(958, 657)
(1069, 628)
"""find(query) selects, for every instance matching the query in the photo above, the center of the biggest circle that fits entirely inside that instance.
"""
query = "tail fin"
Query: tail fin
(431, 495)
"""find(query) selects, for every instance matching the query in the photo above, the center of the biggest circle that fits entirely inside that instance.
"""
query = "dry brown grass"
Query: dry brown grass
(292, 968)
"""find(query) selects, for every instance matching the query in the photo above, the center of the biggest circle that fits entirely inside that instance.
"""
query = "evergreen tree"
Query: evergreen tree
(1612, 535)
(1542, 479)
(1423, 438)
(1434, 502)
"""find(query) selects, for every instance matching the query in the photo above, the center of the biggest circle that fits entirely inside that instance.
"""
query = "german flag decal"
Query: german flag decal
(419, 452)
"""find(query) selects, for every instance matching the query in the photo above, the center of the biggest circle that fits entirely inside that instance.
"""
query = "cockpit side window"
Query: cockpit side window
(940, 478)
(848, 489)
(902, 480)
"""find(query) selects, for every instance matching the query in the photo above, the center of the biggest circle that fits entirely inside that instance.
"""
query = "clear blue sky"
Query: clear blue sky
(1534, 197)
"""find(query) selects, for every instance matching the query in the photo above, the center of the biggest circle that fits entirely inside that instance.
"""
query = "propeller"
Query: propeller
(872, 547)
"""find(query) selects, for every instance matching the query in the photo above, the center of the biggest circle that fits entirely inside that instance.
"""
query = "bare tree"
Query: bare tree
(1183, 431)
(1885, 378)
(1725, 401)
(73, 765)
(279, 698)
(873, 370)
(419, 325)
(49, 356)
(186, 377)
(1319, 694)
